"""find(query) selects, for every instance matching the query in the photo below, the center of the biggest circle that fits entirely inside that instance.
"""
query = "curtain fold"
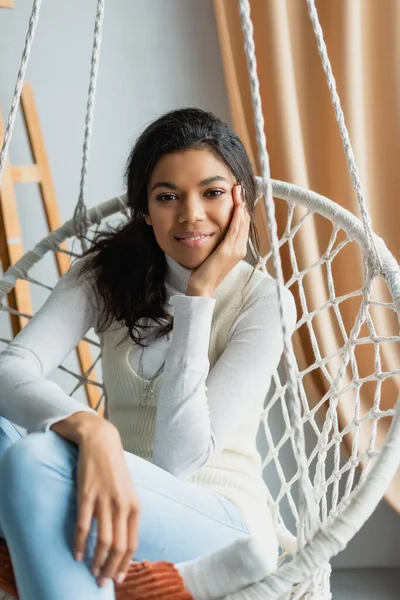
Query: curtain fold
(304, 145)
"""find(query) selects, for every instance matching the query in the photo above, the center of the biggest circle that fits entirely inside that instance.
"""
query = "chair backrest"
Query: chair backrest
(337, 363)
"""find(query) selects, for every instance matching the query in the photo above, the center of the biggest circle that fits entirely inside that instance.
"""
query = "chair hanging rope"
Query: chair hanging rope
(307, 507)
(33, 21)
(80, 213)
(344, 133)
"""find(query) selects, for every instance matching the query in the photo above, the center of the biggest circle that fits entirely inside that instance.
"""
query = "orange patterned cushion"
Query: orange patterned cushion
(144, 581)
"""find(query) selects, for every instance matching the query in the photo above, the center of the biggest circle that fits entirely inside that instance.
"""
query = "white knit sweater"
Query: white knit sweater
(218, 363)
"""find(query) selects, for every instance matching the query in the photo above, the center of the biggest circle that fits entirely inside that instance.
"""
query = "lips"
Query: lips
(192, 234)
(194, 243)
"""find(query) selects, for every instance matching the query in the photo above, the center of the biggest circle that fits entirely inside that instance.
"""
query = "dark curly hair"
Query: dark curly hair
(126, 264)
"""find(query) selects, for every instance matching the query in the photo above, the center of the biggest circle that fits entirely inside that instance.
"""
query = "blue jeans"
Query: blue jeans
(179, 520)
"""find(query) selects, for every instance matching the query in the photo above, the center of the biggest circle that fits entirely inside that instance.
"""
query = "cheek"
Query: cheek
(160, 230)
(160, 222)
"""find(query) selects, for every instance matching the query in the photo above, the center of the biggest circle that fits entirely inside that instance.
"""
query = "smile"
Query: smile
(194, 242)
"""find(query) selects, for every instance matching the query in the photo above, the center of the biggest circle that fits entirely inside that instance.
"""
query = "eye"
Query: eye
(166, 197)
(215, 193)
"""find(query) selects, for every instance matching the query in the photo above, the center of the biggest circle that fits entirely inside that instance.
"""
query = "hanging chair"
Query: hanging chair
(319, 495)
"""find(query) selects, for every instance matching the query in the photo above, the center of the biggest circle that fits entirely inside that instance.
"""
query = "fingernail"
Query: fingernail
(103, 581)
(120, 577)
(78, 556)
(96, 571)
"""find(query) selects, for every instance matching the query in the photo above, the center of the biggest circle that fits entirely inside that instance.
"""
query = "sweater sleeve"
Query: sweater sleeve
(27, 398)
(199, 410)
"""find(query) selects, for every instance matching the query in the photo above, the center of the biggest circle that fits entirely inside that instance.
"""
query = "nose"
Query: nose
(191, 209)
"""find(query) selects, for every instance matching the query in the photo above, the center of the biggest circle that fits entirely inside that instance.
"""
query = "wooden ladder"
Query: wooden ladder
(11, 248)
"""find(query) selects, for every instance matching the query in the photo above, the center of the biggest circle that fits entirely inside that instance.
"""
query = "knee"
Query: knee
(26, 465)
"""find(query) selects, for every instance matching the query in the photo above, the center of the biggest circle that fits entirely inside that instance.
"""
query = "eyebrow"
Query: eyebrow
(172, 186)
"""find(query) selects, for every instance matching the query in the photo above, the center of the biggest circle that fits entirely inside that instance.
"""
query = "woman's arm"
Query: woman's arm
(104, 487)
(27, 398)
(199, 410)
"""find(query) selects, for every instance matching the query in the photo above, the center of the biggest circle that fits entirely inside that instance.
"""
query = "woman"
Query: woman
(190, 338)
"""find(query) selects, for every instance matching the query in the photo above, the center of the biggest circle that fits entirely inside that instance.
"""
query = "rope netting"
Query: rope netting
(339, 362)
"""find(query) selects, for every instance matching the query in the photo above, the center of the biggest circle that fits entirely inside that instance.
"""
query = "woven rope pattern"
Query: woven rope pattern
(333, 472)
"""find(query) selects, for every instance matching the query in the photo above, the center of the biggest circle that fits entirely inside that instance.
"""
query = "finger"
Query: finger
(117, 552)
(132, 546)
(245, 219)
(84, 521)
(242, 232)
(233, 230)
(236, 217)
(104, 538)
(239, 225)
(237, 193)
(243, 238)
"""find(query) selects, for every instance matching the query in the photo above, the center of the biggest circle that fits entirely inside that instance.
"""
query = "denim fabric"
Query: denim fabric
(179, 521)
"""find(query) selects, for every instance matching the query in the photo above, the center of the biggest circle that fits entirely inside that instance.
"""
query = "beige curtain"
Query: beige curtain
(363, 41)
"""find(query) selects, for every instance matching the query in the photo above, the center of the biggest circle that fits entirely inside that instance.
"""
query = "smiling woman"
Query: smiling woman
(183, 320)
(181, 180)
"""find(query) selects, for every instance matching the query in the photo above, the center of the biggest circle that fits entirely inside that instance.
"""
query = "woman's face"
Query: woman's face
(190, 195)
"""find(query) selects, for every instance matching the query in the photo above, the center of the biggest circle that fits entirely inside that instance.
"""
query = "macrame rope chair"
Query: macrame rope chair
(321, 498)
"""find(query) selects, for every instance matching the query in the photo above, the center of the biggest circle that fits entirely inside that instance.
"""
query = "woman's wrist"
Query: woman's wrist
(79, 426)
(200, 292)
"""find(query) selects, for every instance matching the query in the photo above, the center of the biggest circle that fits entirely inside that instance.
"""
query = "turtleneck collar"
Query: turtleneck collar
(177, 276)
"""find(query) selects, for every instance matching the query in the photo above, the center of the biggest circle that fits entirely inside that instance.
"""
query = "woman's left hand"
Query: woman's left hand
(233, 248)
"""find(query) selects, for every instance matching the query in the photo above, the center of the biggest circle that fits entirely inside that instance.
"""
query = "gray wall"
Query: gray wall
(156, 55)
